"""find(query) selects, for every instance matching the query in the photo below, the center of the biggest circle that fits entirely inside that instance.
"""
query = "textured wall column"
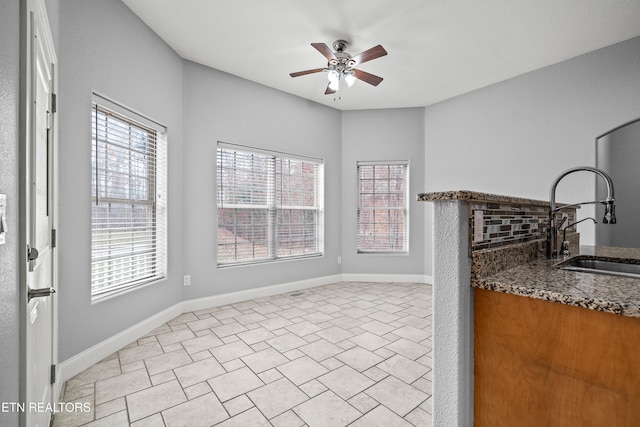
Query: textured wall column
(452, 316)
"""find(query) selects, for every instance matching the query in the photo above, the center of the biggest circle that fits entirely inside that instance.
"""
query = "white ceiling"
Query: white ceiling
(437, 48)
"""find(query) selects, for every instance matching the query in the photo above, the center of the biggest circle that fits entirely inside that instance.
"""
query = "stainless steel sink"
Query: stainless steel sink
(598, 266)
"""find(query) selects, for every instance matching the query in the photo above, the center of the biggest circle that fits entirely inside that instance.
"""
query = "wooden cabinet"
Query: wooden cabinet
(540, 363)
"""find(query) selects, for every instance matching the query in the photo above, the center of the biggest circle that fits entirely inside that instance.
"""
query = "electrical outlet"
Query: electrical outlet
(339, 260)
(186, 280)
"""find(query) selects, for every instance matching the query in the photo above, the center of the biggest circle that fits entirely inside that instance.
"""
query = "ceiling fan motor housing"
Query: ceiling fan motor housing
(343, 62)
(340, 45)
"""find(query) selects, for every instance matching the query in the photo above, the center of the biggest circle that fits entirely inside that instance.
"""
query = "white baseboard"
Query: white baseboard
(78, 363)
(265, 291)
(377, 278)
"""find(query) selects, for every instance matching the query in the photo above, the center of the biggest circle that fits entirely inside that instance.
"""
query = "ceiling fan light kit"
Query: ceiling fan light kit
(341, 65)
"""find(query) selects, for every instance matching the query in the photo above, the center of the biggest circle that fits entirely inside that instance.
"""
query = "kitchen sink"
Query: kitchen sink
(598, 266)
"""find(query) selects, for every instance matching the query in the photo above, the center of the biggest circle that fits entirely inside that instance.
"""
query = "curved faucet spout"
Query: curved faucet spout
(552, 228)
(610, 191)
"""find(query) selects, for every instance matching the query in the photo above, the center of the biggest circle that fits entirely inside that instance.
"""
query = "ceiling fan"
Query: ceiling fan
(341, 65)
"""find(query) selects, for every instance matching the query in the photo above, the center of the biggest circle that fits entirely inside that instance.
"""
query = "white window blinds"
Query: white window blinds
(270, 205)
(382, 207)
(128, 220)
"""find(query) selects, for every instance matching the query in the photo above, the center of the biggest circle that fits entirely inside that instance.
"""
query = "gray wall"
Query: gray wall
(515, 137)
(619, 155)
(395, 134)
(221, 107)
(9, 290)
(104, 47)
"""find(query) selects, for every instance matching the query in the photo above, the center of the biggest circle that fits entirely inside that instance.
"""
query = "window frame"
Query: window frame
(404, 208)
(145, 233)
(272, 206)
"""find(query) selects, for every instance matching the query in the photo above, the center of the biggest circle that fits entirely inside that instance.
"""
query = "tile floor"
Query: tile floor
(350, 353)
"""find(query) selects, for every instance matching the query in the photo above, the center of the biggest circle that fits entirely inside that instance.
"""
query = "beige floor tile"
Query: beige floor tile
(234, 350)
(183, 318)
(256, 335)
(197, 390)
(412, 333)
(277, 397)
(288, 419)
(238, 405)
(408, 348)
(377, 327)
(99, 371)
(232, 328)
(226, 314)
(167, 361)
(250, 418)
(201, 324)
(286, 342)
(383, 316)
(420, 418)
(110, 408)
(424, 385)
(121, 385)
(274, 323)
(267, 308)
(301, 370)
(313, 388)
(132, 354)
(264, 360)
(246, 319)
(233, 384)
(155, 399)
(303, 328)
(363, 402)
(369, 341)
(175, 336)
(334, 334)
(317, 354)
(154, 420)
(327, 410)
(119, 419)
(405, 369)
(270, 375)
(320, 350)
(198, 372)
(202, 411)
(381, 417)
(204, 342)
(396, 395)
(346, 382)
(359, 358)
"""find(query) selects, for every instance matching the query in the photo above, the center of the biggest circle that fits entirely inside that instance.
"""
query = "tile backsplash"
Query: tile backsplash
(506, 223)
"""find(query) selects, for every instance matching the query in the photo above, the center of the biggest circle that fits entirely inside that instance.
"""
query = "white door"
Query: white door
(40, 218)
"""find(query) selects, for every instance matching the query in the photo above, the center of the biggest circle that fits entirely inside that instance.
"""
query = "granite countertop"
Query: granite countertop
(541, 279)
(477, 196)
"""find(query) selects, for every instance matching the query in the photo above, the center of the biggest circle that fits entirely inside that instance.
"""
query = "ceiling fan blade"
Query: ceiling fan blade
(329, 91)
(305, 72)
(368, 55)
(367, 77)
(324, 50)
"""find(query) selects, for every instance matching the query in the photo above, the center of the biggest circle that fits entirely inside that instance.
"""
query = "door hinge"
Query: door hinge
(53, 374)
(54, 103)
(54, 236)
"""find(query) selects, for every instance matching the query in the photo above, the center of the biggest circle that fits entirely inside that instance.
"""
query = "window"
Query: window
(382, 207)
(270, 205)
(128, 214)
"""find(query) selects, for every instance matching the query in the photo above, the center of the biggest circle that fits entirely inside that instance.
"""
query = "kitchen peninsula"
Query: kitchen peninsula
(531, 344)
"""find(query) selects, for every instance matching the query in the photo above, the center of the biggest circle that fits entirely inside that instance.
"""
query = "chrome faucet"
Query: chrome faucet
(553, 228)
(564, 248)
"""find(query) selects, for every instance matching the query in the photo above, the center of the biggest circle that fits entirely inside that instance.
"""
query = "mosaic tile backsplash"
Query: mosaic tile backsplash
(505, 224)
